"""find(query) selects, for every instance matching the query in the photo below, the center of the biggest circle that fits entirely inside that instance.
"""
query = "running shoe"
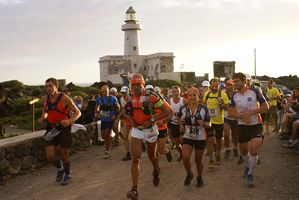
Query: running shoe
(211, 164)
(59, 175)
(156, 179)
(246, 170)
(236, 153)
(66, 180)
(240, 161)
(169, 155)
(127, 157)
(199, 181)
(188, 178)
(250, 180)
(227, 154)
(173, 146)
(106, 155)
(132, 194)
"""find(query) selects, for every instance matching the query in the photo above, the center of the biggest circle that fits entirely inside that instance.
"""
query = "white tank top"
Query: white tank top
(176, 108)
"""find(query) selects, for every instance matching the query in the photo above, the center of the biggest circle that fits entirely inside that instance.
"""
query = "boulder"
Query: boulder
(2, 153)
(15, 167)
(20, 150)
(28, 162)
(4, 164)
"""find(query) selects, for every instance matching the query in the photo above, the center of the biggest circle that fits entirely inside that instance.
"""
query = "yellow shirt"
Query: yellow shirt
(273, 92)
(216, 114)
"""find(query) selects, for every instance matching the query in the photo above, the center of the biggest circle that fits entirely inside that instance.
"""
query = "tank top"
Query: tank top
(176, 108)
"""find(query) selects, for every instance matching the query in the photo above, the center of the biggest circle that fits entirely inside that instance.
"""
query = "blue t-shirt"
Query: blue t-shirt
(107, 107)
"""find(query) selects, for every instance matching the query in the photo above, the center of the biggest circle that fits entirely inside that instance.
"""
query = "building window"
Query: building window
(163, 69)
(135, 66)
(134, 48)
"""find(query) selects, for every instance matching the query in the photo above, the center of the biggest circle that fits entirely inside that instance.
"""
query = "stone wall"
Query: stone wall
(24, 153)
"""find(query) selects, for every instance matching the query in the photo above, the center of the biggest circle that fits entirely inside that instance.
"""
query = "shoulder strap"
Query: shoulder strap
(208, 95)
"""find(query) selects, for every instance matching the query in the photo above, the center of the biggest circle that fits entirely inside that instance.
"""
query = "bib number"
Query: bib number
(213, 112)
(105, 113)
(151, 132)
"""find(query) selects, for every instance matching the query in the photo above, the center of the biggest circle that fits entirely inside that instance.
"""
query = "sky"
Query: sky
(65, 38)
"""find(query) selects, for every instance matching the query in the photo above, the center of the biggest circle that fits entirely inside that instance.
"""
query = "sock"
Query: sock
(67, 167)
(252, 163)
(246, 159)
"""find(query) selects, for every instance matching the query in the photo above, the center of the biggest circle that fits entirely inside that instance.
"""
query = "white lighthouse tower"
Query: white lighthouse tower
(131, 29)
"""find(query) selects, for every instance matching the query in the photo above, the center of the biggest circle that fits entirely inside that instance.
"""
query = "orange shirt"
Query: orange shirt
(137, 102)
(55, 116)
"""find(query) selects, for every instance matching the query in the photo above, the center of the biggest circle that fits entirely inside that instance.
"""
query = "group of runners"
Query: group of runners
(197, 120)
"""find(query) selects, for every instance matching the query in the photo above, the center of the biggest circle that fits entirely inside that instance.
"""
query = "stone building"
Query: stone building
(224, 68)
(152, 67)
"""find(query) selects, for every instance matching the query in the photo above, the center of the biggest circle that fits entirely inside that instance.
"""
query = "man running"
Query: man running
(176, 102)
(216, 101)
(60, 113)
(140, 110)
(246, 105)
(230, 125)
(106, 110)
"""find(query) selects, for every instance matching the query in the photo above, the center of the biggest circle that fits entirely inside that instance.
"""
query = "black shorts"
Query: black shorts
(64, 139)
(106, 125)
(175, 130)
(215, 130)
(248, 132)
(197, 144)
(162, 133)
(231, 122)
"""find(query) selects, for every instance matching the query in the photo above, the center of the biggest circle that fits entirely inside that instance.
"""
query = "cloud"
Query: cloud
(9, 2)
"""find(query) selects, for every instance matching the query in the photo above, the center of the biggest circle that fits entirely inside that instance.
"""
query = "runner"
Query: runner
(140, 112)
(59, 112)
(230, 125)
(126, 126)
(163, 133)
(116, 122)
(106, 110)
(176, 102)
(273, 94)
(245, 106)
(193, 118)
(217, 102)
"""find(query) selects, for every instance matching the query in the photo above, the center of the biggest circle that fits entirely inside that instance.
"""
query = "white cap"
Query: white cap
(157, 89)
(205, 84)
(113, 89)
(248, 77)
(124, 89)
(149, 87)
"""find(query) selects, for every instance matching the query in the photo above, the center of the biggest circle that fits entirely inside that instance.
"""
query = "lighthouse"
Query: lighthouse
(153, 66)
(132, 29)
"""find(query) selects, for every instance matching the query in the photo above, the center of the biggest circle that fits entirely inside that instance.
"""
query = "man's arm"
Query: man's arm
(44, 113)
(73, 108)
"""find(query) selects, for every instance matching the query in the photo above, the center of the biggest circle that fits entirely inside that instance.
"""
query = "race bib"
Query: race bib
(191, 132)
(151, 132)
(213, 112)
(105, 113)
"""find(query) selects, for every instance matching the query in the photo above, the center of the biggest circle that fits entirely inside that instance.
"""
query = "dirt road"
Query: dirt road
(277, 177)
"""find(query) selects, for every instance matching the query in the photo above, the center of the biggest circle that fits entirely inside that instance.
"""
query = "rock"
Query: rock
(10, 156)
(28, 162)
(10, 150)
(15, 167)
(4, 164)
(20, 150)
(2, 154)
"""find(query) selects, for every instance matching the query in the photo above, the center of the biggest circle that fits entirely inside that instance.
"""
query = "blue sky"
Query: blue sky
(65, 38)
